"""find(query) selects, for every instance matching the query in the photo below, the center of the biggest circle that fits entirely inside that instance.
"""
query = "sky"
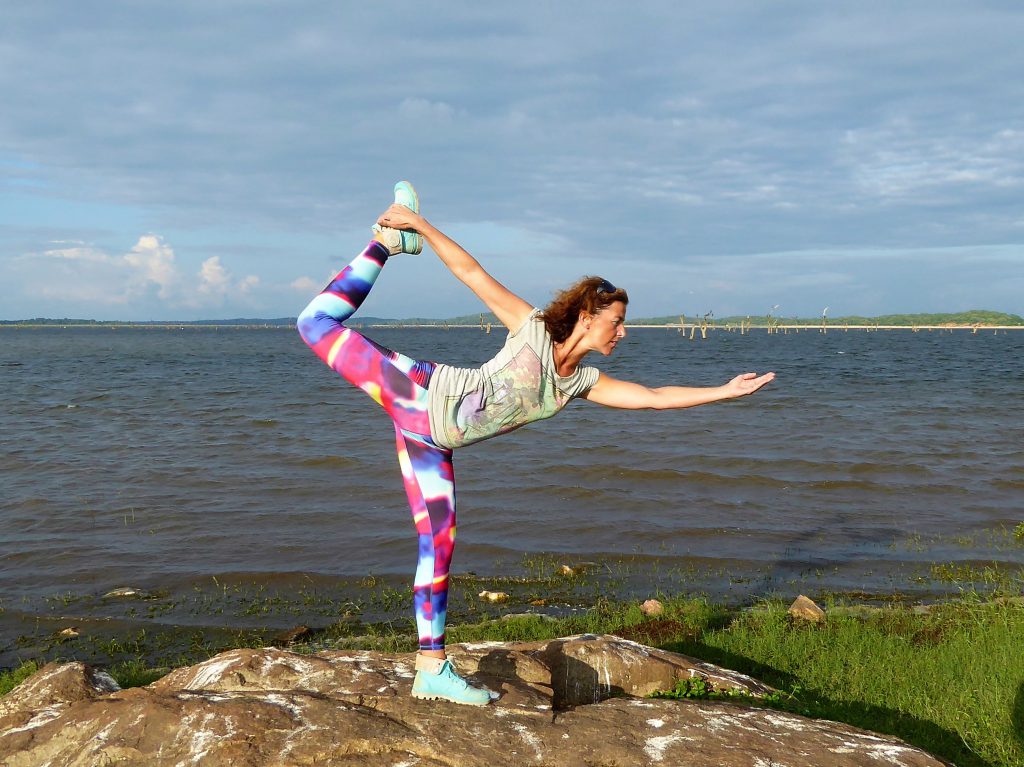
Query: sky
(210, 160)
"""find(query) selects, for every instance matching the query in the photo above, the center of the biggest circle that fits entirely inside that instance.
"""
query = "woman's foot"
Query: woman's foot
(436, 679)
(396, 240)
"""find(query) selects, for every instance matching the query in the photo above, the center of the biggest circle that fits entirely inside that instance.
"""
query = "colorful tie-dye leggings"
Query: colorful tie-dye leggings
(399, 385)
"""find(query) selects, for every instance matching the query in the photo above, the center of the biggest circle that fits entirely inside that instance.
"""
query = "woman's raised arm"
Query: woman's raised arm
(509, 308)
(632, 396)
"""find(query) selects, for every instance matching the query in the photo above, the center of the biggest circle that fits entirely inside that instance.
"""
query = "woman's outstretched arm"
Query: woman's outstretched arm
(632, 396)
(509, 308)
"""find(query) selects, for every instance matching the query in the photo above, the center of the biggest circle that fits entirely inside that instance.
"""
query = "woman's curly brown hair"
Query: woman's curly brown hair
(561, 314)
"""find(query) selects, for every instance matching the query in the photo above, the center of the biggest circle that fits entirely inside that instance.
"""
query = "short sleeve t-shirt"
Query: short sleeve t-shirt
(518, 386)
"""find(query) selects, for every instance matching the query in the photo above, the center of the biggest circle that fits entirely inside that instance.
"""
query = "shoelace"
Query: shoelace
(450, 672)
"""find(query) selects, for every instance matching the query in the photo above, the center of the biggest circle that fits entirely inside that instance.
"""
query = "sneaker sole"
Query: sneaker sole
(403, 189)
(427, 696)
(405, 194)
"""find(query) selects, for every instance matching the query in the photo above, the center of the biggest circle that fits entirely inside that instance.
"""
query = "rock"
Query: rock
(591, 668)
(126, 593)
(652, 607)
(250, 708)
(46, 693)
(805, 609)
(291, 636)
(493, 596)
(533, 616)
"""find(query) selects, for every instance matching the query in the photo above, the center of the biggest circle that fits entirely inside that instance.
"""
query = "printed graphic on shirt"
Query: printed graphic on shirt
(510, 397)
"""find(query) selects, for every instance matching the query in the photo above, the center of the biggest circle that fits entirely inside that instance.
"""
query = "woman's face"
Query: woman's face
(606, 328)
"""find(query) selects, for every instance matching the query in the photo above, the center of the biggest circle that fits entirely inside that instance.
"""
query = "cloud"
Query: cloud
(305, 285)
(77, 252)
(217, 284)
(213, 278)
(904, 159)
(148, 277)
(101, 278)
(248, 284)
(152, 263)
(418, 110)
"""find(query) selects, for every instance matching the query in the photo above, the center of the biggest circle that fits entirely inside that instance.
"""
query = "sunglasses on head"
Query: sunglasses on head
(605, 287)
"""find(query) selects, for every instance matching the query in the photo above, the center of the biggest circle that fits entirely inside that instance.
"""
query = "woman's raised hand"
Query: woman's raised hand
(747, 383)
(401, 217)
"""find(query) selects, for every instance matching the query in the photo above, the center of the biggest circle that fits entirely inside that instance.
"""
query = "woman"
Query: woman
(436, 407)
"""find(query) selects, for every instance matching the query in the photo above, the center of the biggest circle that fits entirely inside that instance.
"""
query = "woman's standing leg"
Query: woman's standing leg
(430, 486)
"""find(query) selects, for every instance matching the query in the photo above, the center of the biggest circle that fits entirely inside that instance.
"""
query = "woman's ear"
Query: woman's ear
(585, 319)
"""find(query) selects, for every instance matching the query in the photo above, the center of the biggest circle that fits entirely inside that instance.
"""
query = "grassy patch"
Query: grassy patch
(950, 681)
(136, 673)
(11, 679)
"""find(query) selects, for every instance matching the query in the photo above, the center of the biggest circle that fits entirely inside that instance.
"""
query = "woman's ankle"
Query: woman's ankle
(431, 663)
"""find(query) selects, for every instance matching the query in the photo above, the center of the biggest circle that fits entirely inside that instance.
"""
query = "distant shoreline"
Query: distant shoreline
(689, 326)
(972, 319)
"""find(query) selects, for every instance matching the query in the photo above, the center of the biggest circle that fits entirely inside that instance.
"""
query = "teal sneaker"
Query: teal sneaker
(406, 195)
(396, 240)
(445, 684)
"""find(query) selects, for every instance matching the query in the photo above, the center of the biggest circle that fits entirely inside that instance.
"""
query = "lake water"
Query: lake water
(163, 458)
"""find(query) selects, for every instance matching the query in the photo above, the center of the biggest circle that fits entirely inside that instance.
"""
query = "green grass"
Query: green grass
(951, 681)
(136, 673)
(606, 617)
(11, 679)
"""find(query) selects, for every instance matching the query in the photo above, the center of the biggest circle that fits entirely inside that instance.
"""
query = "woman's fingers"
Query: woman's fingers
(748, 383)
(397, 217)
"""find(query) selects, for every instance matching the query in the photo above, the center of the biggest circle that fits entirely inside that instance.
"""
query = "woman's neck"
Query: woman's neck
(568, 354)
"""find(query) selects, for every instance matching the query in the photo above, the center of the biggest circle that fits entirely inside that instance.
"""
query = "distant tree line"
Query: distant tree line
(973, 317)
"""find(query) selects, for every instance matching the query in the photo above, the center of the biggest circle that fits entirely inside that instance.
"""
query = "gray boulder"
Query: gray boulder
(570, 702)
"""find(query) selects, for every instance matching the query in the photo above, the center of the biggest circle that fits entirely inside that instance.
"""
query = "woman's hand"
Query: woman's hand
(747, 383)
(509, 308)
(401, 217)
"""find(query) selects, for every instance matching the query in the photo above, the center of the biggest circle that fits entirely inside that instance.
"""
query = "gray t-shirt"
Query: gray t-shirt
(518, 386)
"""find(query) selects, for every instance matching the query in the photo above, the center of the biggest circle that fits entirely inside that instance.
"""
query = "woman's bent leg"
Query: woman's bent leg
(342, 296)
(430, 485)
(396, 382)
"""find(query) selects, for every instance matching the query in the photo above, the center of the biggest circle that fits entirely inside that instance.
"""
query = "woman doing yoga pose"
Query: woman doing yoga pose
(437, 408)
